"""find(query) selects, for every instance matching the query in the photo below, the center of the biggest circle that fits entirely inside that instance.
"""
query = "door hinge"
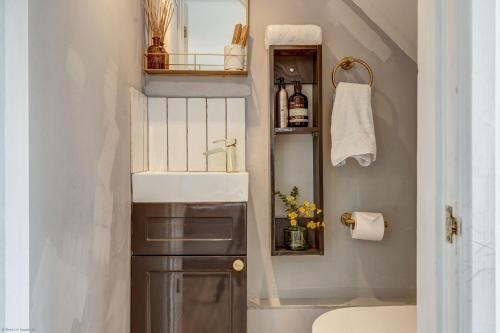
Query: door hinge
(452, 225)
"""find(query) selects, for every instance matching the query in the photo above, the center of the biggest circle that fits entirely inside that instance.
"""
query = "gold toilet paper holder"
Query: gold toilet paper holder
(347, 220)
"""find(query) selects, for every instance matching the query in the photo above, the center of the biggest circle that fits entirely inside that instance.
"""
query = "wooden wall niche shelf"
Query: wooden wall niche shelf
(304, 64)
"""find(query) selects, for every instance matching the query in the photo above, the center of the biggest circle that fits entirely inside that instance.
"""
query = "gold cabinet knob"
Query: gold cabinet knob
(238, 265)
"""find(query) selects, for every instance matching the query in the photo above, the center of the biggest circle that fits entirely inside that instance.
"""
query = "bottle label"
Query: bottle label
(298, 112)
(298, 121)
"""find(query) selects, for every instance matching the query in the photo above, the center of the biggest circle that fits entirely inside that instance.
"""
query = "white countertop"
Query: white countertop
(189, 187)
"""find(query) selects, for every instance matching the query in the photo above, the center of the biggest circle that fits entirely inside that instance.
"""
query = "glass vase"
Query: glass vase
(157, 55)
(295, 238)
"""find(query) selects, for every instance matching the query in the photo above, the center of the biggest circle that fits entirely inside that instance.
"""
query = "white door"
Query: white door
(456, 160)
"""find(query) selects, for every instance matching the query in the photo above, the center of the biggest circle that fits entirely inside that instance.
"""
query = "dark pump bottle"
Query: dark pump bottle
(298, 108)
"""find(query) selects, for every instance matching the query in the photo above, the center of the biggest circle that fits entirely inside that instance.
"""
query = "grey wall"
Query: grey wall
(349, 268)
(282, 320)
(84, 55)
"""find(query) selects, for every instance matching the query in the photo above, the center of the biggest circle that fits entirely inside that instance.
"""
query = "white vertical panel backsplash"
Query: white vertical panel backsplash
(177, 134)
(171, 134)
(145, 131)
(157, 115)
(138, 131)
(235, 116)
(135, 140)
(197, 134)
(216, 130)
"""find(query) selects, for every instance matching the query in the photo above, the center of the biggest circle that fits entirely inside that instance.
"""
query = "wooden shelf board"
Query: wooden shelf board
(302, 220)
(295, 50)
(181, 72)
(296, 130)
(286, 252)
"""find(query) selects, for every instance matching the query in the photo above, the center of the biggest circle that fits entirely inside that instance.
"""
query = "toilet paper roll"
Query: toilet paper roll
(369, 226)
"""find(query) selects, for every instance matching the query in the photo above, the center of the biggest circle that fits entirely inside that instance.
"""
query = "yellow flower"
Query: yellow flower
(308, 214)
(319, 211)
(302, 210)
(293, 222)
(290, 198)
(292, 215)
(306, 204)
(313, 206)
(323, 224)
(311, 225)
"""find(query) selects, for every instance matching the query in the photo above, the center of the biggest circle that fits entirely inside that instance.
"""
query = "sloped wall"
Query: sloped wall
(397, 18)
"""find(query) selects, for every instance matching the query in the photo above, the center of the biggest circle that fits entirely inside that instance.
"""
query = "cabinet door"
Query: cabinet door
(188, 295)
(189, 229)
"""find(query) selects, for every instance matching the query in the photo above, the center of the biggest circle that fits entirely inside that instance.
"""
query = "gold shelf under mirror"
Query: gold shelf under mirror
(195, 68)
(182, 72)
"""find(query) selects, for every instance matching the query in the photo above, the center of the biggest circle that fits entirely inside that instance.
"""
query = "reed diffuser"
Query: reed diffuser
(159, 15)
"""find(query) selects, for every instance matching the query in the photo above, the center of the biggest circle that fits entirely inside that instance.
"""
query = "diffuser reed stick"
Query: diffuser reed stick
(159, 16)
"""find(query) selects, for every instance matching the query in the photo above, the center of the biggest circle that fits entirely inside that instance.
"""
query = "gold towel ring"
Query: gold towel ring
(347, 63)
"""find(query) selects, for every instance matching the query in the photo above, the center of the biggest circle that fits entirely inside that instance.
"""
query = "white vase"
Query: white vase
(234, 57)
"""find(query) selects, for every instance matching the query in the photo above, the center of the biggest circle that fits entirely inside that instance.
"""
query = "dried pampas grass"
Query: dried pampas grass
(159, 15)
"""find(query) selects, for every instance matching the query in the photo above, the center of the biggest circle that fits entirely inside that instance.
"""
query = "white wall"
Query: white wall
(84, 56)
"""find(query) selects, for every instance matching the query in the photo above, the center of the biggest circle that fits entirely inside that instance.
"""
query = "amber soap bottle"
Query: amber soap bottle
(298, 108)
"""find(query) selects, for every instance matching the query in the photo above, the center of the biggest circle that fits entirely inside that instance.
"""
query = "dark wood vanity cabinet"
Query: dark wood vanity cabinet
(189, 229)
(189, 268)
(188, 295)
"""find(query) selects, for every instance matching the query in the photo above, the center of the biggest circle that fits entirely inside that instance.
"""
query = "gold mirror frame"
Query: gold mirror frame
(201, 72)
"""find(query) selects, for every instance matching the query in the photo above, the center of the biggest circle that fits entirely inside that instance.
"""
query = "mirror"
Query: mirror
(200, 30)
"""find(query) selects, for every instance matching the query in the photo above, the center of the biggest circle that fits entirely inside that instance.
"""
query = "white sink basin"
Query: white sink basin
(186, 187)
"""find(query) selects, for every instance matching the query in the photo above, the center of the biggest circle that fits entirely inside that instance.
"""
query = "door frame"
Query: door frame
(15, 169)
(2, 163)
(475, 109)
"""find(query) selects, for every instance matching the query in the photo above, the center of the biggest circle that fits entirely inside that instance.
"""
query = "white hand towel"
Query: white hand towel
(353, 133)
(293, 35)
